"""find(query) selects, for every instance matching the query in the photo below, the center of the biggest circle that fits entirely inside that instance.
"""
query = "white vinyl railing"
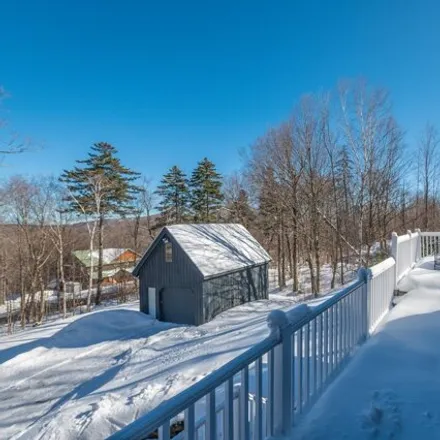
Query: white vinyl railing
(264, 391)
(380, 290)
(406, 250)
(429, 244)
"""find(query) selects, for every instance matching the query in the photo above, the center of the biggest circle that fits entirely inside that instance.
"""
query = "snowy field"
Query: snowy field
(89, 375)
(391, 388)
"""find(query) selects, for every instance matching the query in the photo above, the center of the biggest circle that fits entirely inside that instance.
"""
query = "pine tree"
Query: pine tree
(174, 194)
(206, 195)
(100, 186)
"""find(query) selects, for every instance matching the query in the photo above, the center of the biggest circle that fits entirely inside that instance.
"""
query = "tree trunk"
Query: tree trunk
(62, 286)
(42, 299)
(295, 248)
(100, 249)
(89, 294)
(341, 255)
(22, 290)
(312, 275)
(283, 256)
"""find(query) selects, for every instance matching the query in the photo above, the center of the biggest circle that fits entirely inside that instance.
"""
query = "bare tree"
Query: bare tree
(143, 205)
(28, 206)
(237, 202)
(428, 148)
(10, 141)
(60, 220)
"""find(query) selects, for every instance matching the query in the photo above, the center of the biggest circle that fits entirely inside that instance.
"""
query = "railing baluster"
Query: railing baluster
(258, 433)
(352, 315)
(321, 350)
(299, 347)
(314, 358)
(211, 416)
(164, 431)
(340, 332)
(294, 374)
(332, 339)
(345, 326)
(228, 413)
(326, 345)
(244, 404)
(307, 363)
(270, 395)
(190, 423)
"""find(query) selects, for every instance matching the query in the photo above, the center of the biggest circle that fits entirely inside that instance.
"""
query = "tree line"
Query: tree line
(326, 186)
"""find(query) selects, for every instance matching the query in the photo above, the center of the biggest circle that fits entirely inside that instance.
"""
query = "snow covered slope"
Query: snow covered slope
(87, 376)
(391, 388)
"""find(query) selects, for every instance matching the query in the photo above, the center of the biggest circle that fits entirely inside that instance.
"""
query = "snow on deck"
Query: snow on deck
(391, 387)
(89, 375)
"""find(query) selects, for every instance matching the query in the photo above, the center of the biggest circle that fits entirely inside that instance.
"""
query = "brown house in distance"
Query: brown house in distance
(117, 264)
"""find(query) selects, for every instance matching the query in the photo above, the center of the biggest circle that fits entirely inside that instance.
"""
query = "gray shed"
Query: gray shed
(191, 273)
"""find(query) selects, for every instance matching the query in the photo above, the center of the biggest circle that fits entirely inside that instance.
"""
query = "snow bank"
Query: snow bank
(391, 388)
(423, 276)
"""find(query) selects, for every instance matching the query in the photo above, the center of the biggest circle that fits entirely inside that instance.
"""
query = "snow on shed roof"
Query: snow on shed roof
(108, 255)
(216, 248)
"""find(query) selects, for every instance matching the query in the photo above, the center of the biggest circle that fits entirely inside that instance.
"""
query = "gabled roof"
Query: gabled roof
(214, 248)
(108, 255)
(113, 272)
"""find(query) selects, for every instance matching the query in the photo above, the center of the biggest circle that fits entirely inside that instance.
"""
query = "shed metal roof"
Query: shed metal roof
(215, 248)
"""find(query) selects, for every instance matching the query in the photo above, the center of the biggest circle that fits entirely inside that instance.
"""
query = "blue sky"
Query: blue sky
(171, 82)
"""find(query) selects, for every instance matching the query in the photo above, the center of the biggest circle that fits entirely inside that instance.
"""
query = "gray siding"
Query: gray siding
(180, 273)
(233, 289)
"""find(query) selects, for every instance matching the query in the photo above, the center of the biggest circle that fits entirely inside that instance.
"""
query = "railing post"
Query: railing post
(364, 275)
(410, 248)
(282, 371)
(419, 244)
(394, 253)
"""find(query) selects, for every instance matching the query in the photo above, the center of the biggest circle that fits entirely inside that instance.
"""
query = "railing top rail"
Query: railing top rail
(382, 267)
(406, 237)
(430, 234)
(140, 428)
(321, 308)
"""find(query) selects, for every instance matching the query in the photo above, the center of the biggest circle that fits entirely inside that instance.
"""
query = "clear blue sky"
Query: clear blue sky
(170, 82)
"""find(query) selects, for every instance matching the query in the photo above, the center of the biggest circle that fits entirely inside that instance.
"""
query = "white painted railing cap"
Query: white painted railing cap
(277, 320)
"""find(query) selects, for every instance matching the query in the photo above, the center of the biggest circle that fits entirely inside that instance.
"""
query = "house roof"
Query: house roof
(112, 272)
(214, 248)
(108, 255)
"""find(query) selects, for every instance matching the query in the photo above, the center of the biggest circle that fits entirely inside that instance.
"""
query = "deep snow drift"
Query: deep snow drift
(391, 388)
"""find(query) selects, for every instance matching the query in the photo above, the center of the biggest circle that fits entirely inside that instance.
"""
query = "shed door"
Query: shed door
(178, 305)
(152, 302)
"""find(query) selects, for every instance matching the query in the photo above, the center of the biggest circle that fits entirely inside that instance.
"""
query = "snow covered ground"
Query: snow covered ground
(89, 375)
(391, 388)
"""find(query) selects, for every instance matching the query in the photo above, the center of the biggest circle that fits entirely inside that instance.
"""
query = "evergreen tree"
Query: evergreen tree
(174, 194)
(206, 195)
(100, 186)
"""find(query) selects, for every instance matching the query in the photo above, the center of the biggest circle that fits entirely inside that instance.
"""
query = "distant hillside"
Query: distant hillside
(117, 233)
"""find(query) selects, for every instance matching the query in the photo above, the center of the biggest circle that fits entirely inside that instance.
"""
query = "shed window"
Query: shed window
(168, 252)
